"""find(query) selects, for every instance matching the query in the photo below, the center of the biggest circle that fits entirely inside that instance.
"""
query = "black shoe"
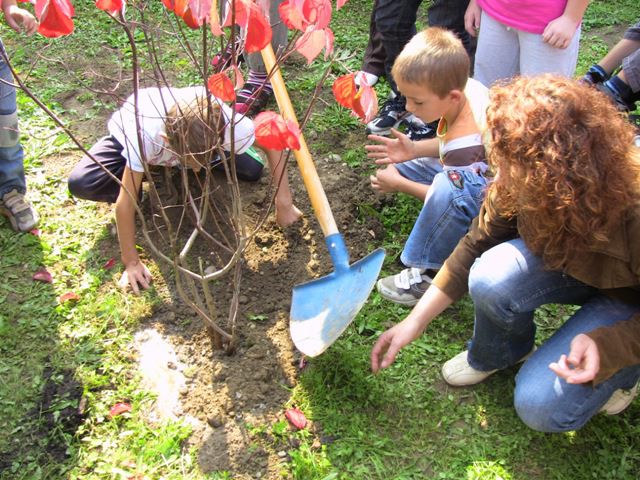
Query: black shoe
(252, 99)
(390, 115)
(615, 97)
(416, 129)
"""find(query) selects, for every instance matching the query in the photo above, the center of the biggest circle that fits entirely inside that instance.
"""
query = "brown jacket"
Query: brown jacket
(612, 266)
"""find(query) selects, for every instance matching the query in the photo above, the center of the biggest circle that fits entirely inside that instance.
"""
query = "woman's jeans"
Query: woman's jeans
(507, 283)
(11, 154)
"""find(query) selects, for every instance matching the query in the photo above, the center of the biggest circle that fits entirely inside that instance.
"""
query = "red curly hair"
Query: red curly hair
(565, 163)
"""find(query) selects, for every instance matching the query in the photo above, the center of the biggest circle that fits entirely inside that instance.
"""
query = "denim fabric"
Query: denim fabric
(445, 218)
(421, 170)
(507, 283)
(11, 157)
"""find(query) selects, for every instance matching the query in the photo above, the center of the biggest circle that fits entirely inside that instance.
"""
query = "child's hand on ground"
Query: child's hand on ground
(287, 215)
(559, 32)
(386, 180)
(136, 275)
(20, 19)
(583, 362)
(472, 18)
(391, 150)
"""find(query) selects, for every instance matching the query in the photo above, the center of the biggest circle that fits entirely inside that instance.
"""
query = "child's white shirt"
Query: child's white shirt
(153, 105)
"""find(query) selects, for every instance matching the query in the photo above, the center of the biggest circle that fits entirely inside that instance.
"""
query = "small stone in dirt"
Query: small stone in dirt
(282, 454)
(184, 390)
(238, 395)
(243, 299)
(215, 421)
(171, 365)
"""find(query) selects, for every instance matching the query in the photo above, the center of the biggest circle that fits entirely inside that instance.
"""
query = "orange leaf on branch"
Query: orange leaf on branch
(111, 6)
(55, 17)
(313, 41)
(362, 100)
(273, 131)
(221, 86)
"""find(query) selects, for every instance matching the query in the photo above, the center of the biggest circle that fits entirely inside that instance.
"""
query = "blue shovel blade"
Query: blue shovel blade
(322, 309)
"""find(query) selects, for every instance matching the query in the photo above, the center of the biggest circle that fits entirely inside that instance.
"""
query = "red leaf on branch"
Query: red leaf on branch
(109, 264)
(179, 7)
(55, 17)
(238, 11)
(200, 10)
(221, 86)
(214, 20)
(65, 297)
(119, 408)
(191, 21)
(111, 6)
(258, 30)
(317, 13)
(296, 418)
(313, 41)
(43, 275)
(344, 90)
(273, 131)
(292, 16)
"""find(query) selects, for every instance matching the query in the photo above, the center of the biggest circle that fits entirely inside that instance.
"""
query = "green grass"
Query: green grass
(404, 423)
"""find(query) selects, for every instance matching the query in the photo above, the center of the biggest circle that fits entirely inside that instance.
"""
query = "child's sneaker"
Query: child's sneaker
(393, 111)
(19, 211)
(253, 98)
(416, 129)
(620, 400)
(406, 287)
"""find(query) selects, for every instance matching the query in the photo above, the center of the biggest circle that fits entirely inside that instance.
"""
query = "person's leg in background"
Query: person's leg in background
(13, 186)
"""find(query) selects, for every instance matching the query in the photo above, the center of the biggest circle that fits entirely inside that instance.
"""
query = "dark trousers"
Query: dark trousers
(393, 23)
(89, 181)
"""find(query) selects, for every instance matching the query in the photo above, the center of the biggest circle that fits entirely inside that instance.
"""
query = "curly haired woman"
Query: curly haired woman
(560, 224)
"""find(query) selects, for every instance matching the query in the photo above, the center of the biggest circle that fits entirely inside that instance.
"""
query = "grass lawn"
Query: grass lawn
(404, 423)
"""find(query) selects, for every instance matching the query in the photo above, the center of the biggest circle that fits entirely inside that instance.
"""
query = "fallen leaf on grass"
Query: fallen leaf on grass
(109, 264)
(119, 408)
(296, 418)
(65, 297)
(43, 275)
(35, 232)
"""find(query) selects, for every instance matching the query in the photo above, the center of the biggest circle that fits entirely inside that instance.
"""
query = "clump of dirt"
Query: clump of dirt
(225, 393)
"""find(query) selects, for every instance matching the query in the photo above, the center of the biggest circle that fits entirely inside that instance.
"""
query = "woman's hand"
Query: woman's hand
(390, 342)
(472, 18)
(391, 150)
(136, 276)
(20, 20)
(559, 32)
(582, 364)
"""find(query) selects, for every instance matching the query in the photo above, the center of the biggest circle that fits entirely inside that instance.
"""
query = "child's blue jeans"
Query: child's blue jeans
(11, 154)
(453, 201)
(507, 283)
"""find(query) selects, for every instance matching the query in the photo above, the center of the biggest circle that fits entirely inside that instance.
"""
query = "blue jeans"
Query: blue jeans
(447, 213)
(507, 283)
(11, 154)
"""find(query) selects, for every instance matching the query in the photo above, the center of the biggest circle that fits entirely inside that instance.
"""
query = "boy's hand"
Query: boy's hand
(582, 364)
(559, 32)
(20, 19)
(288, 215)
(472, 18)
(386, 180)
(136, 274)
(391, 150)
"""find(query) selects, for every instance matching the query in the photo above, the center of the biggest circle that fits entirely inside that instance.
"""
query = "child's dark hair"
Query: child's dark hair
(194, 128)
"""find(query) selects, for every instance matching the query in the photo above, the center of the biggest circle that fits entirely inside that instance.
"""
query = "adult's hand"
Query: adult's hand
(397, 149)
(583, 362)
(20, 20)
(390, 342)
(136, 276)
(472, 18)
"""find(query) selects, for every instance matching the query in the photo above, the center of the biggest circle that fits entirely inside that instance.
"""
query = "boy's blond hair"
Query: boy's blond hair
(194, 128)
(434, 58)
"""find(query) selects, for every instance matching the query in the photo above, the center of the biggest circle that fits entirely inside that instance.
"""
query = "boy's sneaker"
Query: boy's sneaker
(406, 287)
(19, 211)
(620, 400)
(416, 129)
(615, 97)
(458, 373)
(252, 99)
(393, 111)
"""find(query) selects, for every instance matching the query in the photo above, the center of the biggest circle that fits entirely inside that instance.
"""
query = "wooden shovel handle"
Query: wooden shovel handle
(310, 176)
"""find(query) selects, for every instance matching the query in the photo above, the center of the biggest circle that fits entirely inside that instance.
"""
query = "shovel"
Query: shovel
(323, 308)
